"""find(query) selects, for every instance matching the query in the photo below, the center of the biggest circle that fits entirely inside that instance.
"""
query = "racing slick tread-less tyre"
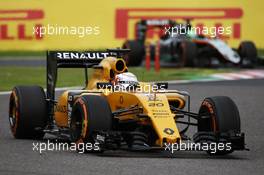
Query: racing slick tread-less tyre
(247, 50)
(90, 113)
(188, 54)
(27, 112)
(136, 55)
(223, 117)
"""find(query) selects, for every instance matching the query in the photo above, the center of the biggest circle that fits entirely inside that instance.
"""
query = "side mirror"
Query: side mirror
(104, 85)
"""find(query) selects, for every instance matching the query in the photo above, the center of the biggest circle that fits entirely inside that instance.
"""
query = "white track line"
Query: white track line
(223, 77)
(5, 93)
(57, 89)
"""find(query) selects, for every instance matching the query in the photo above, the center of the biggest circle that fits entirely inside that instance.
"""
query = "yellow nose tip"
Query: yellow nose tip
(171, 140)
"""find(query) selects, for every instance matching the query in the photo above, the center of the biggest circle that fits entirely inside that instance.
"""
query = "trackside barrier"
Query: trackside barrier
(147, 61)
(157, 57)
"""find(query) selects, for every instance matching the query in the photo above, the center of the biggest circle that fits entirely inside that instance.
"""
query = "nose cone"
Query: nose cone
(162, 119)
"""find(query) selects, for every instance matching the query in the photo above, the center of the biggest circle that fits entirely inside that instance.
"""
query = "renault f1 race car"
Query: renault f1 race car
(118, 112)
(182, 48)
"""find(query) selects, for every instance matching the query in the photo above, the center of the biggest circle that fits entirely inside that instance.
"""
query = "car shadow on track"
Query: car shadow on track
(165, 154)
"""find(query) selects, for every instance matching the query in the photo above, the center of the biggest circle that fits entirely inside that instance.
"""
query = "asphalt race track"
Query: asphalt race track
(17, 157)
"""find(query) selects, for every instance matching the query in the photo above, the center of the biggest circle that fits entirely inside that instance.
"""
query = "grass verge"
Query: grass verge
(12, 76)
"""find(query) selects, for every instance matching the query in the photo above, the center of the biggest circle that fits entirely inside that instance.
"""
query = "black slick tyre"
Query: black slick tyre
(223, 118)
(248, 54)
(90, 114)
(136, 55)
(27, 112)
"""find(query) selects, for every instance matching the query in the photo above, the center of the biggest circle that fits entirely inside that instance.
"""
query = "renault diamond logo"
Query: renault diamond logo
(168, 131)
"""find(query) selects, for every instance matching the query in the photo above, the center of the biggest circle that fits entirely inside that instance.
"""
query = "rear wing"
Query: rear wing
(77, 59)
(73, 59)
(69, 59)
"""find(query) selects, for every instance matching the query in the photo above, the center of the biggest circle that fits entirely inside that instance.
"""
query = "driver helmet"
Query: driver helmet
(125, 80)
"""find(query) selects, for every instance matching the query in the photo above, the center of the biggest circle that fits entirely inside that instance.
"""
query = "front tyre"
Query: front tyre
(27, 112)
(91, 114)
(219, 121)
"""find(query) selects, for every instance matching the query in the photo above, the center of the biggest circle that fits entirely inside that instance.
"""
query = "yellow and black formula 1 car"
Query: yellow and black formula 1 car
(116, 111)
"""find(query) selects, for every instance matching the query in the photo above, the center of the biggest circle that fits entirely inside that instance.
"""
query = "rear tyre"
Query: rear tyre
(27, 112)
(248, 53)
(90, 114)
(223, 118)
(188, 54)
(136, 55)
